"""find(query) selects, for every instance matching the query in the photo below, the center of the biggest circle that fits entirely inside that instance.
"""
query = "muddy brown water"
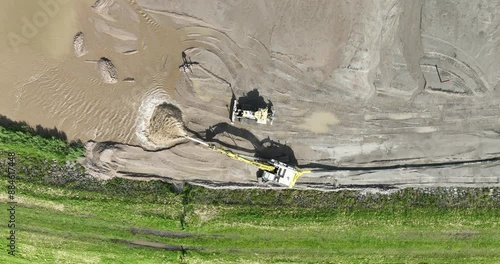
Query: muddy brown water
(45, 84)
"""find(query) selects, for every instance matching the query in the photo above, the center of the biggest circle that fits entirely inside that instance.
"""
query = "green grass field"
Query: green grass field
(124, 221)
(68, 226)
(23, 141)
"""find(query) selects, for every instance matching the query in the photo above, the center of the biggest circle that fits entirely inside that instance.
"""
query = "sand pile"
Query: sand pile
(159, 122)
(79, 45)
(165, 125)
(107, 70)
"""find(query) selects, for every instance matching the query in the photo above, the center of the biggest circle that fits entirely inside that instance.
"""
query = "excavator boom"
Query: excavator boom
(273, 170)
(253, 162)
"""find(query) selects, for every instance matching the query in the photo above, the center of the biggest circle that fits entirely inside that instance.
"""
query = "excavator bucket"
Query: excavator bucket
(296, 176)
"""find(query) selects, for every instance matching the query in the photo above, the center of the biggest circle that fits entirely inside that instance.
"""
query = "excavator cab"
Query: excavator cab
(283, 174)
(244, 112)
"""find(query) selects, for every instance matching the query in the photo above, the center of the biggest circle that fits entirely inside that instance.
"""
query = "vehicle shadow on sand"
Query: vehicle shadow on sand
(265, 148)
(250, 101)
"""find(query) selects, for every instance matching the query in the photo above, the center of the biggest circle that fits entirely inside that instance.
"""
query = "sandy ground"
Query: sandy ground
(382, 94)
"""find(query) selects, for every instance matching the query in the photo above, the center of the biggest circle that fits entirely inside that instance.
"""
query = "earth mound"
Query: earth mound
(107, 71)
(79, 45)
(165, 125)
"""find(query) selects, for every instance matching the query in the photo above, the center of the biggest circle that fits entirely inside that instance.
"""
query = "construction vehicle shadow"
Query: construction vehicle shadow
(187, 64)
(276, 150)
(251, 108)
(265, 149)
(253, 100)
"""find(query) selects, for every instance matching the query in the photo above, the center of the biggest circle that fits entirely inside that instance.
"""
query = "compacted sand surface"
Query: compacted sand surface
(367, 93)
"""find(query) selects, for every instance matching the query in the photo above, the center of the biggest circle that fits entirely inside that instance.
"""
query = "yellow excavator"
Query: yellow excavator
(272, 170)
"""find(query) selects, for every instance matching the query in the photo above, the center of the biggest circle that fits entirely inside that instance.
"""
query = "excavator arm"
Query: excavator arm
(277, 171)
(260, 165)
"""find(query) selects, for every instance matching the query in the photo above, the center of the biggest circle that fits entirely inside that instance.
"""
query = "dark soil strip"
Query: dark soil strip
(162, 233)
(185, 202)
(320, 167)
(150, 244)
